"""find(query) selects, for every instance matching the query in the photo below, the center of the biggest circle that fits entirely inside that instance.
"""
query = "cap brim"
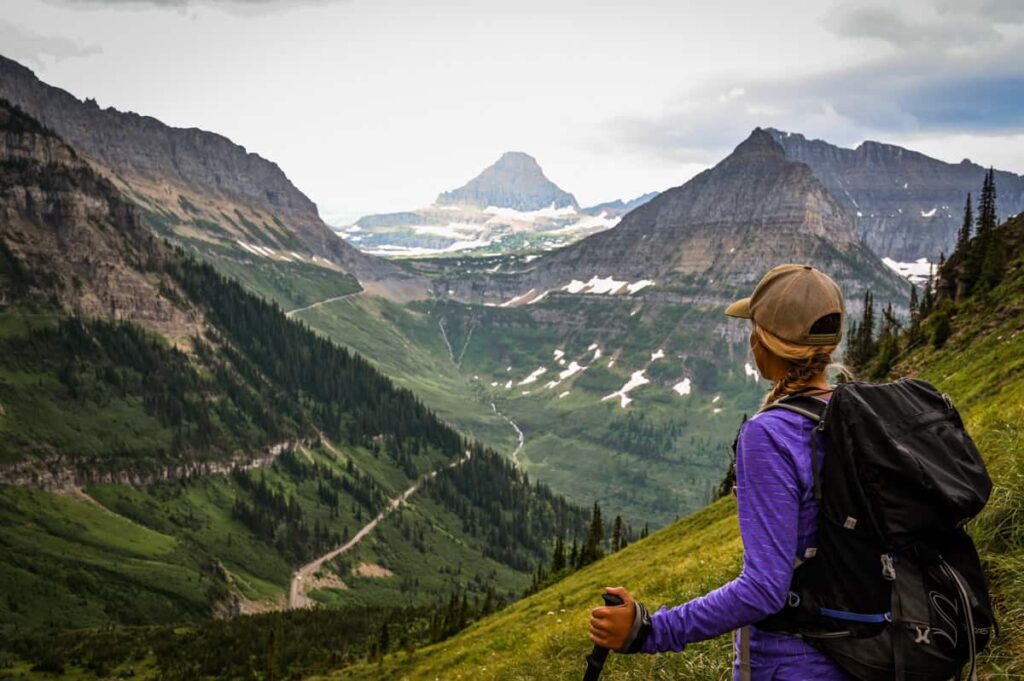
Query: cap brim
(740, 309)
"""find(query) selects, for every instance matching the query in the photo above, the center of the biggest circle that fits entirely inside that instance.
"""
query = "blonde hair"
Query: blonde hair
(801, 371)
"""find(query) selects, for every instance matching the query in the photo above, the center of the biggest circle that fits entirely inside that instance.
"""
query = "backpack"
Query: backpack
(894, 588)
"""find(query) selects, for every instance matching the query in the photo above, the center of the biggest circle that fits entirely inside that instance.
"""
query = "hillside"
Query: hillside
(981, 366)
(173, 446)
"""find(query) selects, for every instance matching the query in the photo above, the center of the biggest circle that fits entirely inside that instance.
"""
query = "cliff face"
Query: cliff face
(717, 235)
(67, 232)
(906, 205)
(514, 181)
(157, 165)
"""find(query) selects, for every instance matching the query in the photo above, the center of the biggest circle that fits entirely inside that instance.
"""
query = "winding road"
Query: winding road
(297, 310)
(304, 575)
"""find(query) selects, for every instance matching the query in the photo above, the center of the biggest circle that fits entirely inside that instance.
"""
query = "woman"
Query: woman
(797, 315)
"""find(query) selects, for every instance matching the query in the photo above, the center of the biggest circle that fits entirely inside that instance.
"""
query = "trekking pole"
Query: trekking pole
(595, 660)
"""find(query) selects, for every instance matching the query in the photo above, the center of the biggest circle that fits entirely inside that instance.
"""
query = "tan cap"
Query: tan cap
(787, 303)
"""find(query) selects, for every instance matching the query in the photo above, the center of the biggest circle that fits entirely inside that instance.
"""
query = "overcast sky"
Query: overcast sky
(379, 105)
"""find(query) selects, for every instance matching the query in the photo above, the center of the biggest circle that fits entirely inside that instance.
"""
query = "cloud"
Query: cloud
(889, 25)
(39, 50)
(946, 73)
(238, 6)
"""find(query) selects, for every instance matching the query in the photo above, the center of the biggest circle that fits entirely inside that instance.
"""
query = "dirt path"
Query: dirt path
(297, 310)
(300, 578)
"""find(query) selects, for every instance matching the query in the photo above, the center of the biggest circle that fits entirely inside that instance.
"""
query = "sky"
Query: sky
(379, 105)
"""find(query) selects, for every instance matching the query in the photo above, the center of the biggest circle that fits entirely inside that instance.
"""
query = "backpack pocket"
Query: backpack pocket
(926, 476)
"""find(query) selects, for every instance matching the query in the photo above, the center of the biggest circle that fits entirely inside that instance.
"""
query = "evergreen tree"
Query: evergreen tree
(617, 534)
(963, 239)
(558, 557)
(574, 555)
(592, 549)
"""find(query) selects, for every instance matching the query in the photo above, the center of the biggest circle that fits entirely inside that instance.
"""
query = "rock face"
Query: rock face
(716, 235)
(514, 181)
(906, 205)
(156, 161)
(67, 232)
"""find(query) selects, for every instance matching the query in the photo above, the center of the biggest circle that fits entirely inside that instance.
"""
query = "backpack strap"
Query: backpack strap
(813, 408)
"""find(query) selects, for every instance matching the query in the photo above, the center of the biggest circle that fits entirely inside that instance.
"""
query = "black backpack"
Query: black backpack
(894, 588)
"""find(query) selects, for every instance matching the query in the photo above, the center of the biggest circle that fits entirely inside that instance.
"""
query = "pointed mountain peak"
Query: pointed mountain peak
(518, 159)
(516, 181)
(759, 142)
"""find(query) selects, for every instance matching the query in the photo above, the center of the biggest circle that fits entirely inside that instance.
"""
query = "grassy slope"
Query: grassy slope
(982, 368)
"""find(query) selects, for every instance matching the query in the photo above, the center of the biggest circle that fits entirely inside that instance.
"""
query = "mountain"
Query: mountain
(203, 191)
(511, 207)
(980, 367)
(513, 181)
(175, 447)
(618, 207)
(710, 238)
(906, 205)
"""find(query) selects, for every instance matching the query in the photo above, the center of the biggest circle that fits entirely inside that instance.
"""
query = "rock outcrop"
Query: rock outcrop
(67, 233)
(906, 205)
(514, 181)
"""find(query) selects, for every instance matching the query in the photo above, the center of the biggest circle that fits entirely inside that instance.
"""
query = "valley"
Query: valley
(236, 442)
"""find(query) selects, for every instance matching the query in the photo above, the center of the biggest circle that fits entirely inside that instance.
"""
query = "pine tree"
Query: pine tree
(617, 535)
(994, 254)
(558, 557)
(574, 555)
(963, 239)
(592, 549)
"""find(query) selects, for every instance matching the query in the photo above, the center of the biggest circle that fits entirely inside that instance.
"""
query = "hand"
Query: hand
(611, 626)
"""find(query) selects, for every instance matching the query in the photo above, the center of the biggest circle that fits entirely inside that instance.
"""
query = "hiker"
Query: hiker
(797, 317)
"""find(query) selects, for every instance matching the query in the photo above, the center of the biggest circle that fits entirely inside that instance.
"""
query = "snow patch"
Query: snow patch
(532, 378)
(637, 286)
(529, 215)
(750, 371)
(508, 386)
(929, 213)
(683, 387)
(716, 410)
(657, 355)
(563, 394)
(571, 370)
(558, 354)
(917, 272)
(635, 381)
(715, 401)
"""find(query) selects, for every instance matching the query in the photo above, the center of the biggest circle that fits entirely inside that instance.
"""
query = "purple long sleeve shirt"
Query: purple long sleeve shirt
(778, 523)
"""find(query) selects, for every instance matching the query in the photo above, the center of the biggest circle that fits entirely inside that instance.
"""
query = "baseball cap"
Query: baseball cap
(794, 308)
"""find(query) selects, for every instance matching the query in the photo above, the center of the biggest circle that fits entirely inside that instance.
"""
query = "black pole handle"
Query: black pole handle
(597, 657)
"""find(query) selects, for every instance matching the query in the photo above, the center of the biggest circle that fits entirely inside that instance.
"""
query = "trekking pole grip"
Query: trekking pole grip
(597, 657)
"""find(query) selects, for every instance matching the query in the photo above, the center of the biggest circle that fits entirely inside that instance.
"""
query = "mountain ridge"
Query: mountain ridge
(199, 185)
(907, 205)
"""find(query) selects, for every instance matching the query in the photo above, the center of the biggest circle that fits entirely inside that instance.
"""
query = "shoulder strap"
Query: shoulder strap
(806, 405)
(813, 408)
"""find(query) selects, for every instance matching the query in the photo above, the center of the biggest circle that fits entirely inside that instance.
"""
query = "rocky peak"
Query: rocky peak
(760, 142)
(516, 181)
